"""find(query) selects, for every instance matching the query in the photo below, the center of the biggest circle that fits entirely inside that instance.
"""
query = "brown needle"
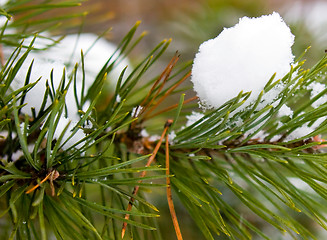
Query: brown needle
(53, 175)
(171, 108)
(37, 185)
(172, 88)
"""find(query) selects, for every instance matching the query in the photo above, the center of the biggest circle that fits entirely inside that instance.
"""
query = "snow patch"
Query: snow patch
(194, 117)
(154, 138)
(71, 139)
(41, 70)
(65, 55)
(118, 98)
(299, 184)
(276, 138)
(62, 56)
(316, 88)
(171, 137)
(285, 111)
(243, 57)
(299, 132)
(136, 111)
(144, 133)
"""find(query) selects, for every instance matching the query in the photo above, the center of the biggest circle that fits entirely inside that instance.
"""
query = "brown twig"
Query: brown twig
(167, 93)
(37, 185)
(53, 175)
(169, 196)
(136, 188)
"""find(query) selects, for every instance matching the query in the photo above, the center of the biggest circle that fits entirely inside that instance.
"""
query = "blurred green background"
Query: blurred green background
(190, 22)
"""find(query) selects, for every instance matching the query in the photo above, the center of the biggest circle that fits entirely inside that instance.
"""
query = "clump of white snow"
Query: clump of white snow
(316, 88)
(300, 132)
(276, 138)
(305, 129)
(96, 52)
(260, 136)
(3, 2)
(154, 138)
(41, 69)
(63, 122)
(144, 133)
(299, 184)
(242, 58)
(171, 137)
(64, 56)
(195, 116)
(285, 111)
(271, 97)
(118, 98)
(136, 111)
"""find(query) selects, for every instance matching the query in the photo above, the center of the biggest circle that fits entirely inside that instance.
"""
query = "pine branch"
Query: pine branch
(232, 168)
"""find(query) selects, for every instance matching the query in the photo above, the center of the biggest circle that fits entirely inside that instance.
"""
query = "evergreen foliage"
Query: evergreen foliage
(228, 176)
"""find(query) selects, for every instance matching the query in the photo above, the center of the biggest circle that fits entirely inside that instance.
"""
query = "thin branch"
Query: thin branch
(169, 195)
(37, 185)
(53, 175)
(136, 188)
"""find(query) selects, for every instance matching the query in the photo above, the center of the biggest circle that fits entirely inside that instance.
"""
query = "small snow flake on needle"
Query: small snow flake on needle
(242, 58)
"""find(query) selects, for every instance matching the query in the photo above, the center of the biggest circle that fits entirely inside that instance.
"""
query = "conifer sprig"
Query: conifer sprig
(232, 168)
